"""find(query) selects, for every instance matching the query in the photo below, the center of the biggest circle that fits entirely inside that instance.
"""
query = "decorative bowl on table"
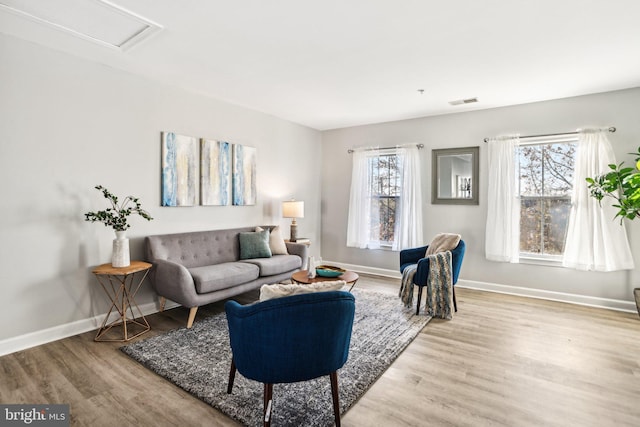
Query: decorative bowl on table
(329, 271)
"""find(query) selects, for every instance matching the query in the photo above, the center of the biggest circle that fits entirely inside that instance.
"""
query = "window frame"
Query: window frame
(385, 244)
(529, 257)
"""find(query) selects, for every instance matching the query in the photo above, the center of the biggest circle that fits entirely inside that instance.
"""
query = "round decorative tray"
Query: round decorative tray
(329, 271)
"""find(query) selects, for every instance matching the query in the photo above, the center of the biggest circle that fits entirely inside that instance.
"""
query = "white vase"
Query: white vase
(311, 268)
(120, 256)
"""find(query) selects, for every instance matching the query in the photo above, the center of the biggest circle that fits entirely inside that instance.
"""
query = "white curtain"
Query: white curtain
(360, 214)
(408, 229)
(502, 238)
(595, 241)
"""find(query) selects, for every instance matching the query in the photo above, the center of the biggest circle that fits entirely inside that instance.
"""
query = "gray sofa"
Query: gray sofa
(202, 267)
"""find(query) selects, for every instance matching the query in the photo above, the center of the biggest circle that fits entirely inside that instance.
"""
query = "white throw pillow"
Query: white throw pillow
(279, 290)
(276, 241)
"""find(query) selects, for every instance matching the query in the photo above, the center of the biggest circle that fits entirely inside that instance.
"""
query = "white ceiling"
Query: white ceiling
(334, 63)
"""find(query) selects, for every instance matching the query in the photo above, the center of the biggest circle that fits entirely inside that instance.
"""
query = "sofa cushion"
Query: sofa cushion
(278, 290)
(254, 244)
(276, 241)
(211, 278)
(277, 264)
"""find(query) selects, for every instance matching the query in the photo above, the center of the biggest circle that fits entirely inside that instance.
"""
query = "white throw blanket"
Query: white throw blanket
(443, 242)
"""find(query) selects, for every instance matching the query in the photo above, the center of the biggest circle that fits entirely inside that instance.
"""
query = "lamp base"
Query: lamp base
(293, 232)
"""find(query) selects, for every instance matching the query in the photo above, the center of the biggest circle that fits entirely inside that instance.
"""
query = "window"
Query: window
(385, 200)
(545, 181)
(385, 188)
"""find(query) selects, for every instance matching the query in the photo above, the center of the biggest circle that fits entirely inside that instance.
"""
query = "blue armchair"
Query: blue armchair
(291, 339)
(416, 256)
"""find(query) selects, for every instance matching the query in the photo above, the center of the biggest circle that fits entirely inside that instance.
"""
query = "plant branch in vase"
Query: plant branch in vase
(117, 217)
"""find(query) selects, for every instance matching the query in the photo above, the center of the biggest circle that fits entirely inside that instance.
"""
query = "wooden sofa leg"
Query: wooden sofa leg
(163, 301)
(192, 316)
(419, 298)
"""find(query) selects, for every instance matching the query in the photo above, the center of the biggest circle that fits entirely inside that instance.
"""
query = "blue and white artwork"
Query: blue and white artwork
(244, 175)
(179, 170)
(215, 173)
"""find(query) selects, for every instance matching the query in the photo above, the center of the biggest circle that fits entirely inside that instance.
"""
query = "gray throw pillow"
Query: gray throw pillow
(254, 244)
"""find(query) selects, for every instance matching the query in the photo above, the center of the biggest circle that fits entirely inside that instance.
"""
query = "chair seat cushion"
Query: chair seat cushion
(211, 278)
(277, 264)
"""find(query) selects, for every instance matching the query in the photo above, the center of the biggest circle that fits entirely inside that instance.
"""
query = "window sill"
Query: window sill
(548, 262)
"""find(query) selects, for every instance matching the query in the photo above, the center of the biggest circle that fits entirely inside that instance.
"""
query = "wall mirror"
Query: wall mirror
(454, 178)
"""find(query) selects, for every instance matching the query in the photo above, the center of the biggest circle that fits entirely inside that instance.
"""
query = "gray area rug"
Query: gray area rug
(198, 360)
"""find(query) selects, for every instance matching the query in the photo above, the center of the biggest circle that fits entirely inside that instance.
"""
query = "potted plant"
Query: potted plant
(622, 183)
(116, 216)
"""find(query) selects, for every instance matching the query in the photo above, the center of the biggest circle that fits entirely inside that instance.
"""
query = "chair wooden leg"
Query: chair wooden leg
(163, 301)
(455, 304)
(232, 376)
(336, 397)
(419, 298)
(268, 396)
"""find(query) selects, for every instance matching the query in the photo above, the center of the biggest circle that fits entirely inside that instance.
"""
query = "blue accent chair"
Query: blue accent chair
(291, 339)
(416, 256)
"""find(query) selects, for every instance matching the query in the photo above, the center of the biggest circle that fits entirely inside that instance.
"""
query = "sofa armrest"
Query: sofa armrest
(299, 249)
(173, 281)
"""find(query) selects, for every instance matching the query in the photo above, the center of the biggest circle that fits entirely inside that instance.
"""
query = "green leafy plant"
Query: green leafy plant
(622, 184)
(116, 216)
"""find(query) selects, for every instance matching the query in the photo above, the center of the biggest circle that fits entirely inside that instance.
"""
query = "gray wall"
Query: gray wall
(69, 124)
(618, 109)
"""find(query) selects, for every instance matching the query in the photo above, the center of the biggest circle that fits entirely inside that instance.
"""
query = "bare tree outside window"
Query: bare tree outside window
(545, 183)
(386, 187)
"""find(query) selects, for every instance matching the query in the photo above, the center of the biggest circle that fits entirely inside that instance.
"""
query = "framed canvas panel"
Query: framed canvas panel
(179, 170)
(244, 175)
(215, 173)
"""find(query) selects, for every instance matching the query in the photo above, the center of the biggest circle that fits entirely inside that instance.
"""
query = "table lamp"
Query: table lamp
(293, 209)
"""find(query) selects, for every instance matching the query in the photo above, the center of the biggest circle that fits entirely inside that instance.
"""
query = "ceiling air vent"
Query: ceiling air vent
(98, 21)
(464, 101)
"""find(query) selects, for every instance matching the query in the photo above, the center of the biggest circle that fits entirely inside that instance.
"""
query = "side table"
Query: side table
(121, 287)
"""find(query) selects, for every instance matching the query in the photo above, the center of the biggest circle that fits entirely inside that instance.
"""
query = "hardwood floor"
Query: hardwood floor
(502, 361)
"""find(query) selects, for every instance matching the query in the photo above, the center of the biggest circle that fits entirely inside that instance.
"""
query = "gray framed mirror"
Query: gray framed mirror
(454, 176)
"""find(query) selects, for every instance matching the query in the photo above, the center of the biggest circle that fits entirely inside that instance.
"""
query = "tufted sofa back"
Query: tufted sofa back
(198, 248)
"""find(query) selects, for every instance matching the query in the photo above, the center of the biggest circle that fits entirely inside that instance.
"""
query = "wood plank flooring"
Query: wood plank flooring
(502, 361)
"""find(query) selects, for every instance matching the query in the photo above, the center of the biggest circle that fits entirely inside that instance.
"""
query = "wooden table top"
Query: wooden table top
(302, 277)
(134, 267)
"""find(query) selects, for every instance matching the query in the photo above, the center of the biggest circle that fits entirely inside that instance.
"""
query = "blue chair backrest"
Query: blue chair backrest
(456, 259)
(291, 339)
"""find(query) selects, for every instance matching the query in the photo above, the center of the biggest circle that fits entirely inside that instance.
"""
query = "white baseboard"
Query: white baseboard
(365, 269)
(611, 304)
(618, 305)
(22, 342)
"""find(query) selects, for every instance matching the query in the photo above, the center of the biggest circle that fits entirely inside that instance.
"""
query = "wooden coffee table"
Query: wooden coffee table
(302, 277)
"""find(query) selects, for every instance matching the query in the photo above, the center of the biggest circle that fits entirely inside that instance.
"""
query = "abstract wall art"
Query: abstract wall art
(179, 170)
(215, 173)
(244, 175)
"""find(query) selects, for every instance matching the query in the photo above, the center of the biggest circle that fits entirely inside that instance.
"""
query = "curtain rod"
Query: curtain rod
(351, 150)
(610, 129)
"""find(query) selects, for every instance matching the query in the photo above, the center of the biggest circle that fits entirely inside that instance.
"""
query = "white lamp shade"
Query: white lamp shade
(293, 209)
